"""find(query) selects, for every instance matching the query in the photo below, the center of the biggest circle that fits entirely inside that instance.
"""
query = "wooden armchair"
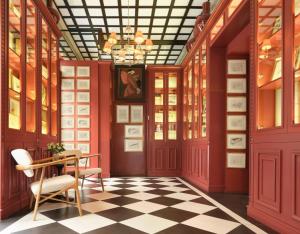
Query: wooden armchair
(85, 173)
(47, 188)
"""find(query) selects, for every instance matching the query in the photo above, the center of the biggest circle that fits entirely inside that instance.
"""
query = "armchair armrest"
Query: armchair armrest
(91, 155)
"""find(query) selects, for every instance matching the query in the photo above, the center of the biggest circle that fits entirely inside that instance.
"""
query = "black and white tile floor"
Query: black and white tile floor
(137, 205)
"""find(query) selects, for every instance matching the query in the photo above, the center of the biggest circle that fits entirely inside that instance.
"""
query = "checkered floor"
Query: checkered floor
(137, 205)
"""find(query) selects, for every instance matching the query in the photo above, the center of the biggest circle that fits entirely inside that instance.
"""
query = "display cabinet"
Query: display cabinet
(296, 62)
(54, 84)
(203, 80)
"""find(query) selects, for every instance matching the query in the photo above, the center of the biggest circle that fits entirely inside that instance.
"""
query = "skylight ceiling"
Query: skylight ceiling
(169, 23)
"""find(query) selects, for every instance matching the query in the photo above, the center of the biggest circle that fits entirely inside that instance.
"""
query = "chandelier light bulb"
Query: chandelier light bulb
(107, 48)
(139, 38)
(149, 44)
(113, 38)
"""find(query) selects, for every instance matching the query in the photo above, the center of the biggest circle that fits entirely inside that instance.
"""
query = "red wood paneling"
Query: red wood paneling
(296, 186)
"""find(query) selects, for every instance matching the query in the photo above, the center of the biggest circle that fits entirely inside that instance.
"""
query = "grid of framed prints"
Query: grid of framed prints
(236, 117)
(75, 108)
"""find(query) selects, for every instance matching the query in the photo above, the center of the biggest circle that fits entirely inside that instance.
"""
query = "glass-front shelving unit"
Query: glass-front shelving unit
(216, 29)
(159, 106)
(185, 103)
(269, 77)
(190, 101)
(172, 106)
(233, 6)
(196, 95)
(297, 62)
(54, 74)
(45, 78)
(14, 61)
(30, 67)
(203, 76)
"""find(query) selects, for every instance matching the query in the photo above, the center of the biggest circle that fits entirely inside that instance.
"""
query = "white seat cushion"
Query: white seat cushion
(90, 171)
(53, 184)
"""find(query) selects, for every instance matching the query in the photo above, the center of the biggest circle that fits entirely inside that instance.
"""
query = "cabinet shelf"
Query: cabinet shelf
(273, 84)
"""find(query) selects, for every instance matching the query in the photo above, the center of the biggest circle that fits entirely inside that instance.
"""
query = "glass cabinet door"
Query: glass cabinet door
(297, 61)
(190, 101)
(196, 96)
(14, 61)
(203, 89)
(159, 106)
(30, 67)
(185, 103)
(45, 76)
(172, 106)
(54, 64)
(269, 77)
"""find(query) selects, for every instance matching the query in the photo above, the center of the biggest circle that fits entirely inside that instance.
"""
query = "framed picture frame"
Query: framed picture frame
(84, 147)
(83, 122)
(277, 71)
(67, 96)
(236, 104)
(129, 83)
(83, 109)
(69, 146)
(237, 67)
(134, 131)
(236, 160)
(67, 109)
(67, 135)
(236, 123)
(122, 114)
(236, 85)
(83, 71)
(67, 84)
(83, 96)
(83, 84)
(136, 113)
(67, 122)
(236, 141)
(67, 71)
(83, 135)
(131, 145)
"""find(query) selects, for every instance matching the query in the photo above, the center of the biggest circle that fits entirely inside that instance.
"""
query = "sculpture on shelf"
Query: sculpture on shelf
(199, 24)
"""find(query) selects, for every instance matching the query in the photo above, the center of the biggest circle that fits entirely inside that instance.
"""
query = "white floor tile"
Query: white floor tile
(169, 183)
(165, 179)
(102, 196)
(86, 223)
(211, 224)
(139, 183)
(97, 206)
(26, 223)
(194, 207)
(113, 179)
(111, 183)
(145, 207)
(140, 188)
(182, 196)
(175, 189)
(142, 196)
(149, 223)
(138, 178)
(107, 188)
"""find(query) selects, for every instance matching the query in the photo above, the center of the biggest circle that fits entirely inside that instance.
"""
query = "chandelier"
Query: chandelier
(131, 49)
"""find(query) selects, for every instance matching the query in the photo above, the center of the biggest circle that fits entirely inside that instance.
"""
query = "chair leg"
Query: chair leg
(82, 181)
(36, 206)
(78, 200)
(101, 181)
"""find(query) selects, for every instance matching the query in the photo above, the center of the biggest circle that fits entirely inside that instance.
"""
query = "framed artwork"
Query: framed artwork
(122, 115)
(236, 141)
(172, 99)
(83, 84)
(129, 82)
(83, 135)
(67, 71)
(14, 107)
(67, 96)
(237, 67)
(83, 122)
(67, 84)
(84, 147)
(136, 113)
(83, 97)
(67, 109)
(133, 131)
(67, 122)
(236, 123)
(236, 160)
(236, 104)
(83, 71)
(277, 74)
(67, 135)
(131, 145)
(236, 85)
(69, 146)
(83, 109)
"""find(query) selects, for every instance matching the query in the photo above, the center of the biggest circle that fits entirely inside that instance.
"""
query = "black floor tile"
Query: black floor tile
(217, 213)
(49, 228)
(183, 229)
(167, 201)
(160, 192)
(119, 214)
(63, 213)
(241, 230)
(116, 229)
(121, 201)
(202, 200)
(174, 214)
(123, 192)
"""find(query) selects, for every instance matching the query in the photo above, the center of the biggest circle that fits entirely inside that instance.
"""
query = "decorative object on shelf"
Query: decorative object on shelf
(236, 85)
(131, 145)
(83, 122)
(122, 115)
(236, 104)
(83, 97)
(236, 160)
(67, 84)
(130, 49)
(83, 109)
(83, 135)
(236, 141)
(236, 123)
(130, 82)
(83, 84)
(83, 71)
(277, 72)
(236, 67)
(67, 71)
(133, 131)
(136, 113)
(55, 148)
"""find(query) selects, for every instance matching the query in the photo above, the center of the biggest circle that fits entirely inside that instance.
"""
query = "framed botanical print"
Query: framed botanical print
(67, 122)
(236, 123)
(84, 147)
(236, 141)
(83, 97)
(136, 113)
(67, 71)
(238, 85)
(83, 122)
(69, 146)
(237, 67)
(236, 160)
(83, 71)
(67, 109)
(67, 84)
(83, 109)
(67, 135)
(131, 145)
(83, 135)
(236, 104)
(83, 84)
(122, 115)
(134, 131)
(67, 96)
